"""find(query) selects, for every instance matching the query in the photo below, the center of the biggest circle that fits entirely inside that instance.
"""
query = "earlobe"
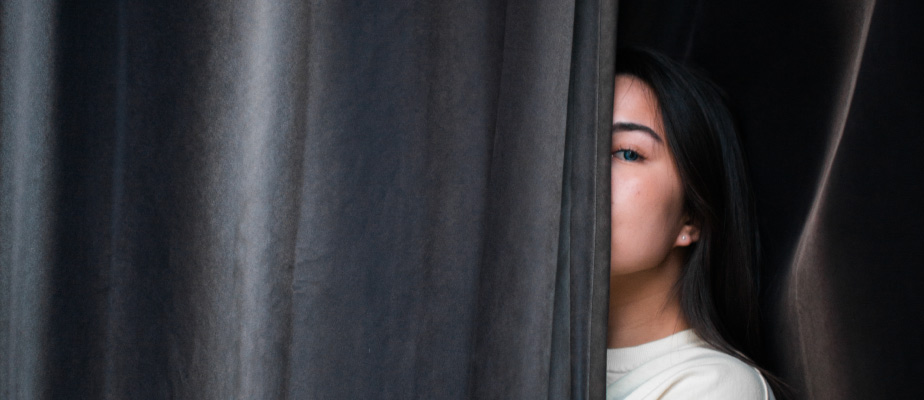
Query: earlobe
(689, 234)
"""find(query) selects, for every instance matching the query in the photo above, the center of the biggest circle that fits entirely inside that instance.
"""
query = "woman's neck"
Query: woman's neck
(644, 306)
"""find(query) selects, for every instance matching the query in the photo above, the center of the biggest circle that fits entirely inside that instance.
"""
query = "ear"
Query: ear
(689, 234)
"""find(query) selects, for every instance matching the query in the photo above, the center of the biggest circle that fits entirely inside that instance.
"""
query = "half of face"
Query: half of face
(648, 219)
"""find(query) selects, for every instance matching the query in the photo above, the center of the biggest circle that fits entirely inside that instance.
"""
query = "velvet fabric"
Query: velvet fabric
(307, 200)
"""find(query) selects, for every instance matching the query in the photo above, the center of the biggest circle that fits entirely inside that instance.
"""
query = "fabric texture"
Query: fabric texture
(681, 366)
(235, 199)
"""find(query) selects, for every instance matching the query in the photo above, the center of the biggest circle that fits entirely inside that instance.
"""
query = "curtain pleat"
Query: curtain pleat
(586, 201)
(27, 192)
(288, 199)
(807, 301)
(860, 250)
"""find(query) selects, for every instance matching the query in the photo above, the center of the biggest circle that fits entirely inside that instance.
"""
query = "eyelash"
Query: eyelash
(624, 151)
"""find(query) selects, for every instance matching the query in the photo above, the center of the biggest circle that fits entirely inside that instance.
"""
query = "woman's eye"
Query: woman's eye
(627, 155)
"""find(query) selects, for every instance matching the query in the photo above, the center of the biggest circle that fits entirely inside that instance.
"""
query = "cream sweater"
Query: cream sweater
(680, 366)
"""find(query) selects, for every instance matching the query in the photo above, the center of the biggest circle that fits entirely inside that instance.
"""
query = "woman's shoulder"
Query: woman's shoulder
(709, 373)
(692, 372)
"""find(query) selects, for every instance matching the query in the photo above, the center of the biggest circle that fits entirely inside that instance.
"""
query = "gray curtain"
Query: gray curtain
(294, 199)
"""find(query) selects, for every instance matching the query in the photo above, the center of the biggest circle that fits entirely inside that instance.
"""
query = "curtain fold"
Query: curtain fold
(27, 192)
(253, 199)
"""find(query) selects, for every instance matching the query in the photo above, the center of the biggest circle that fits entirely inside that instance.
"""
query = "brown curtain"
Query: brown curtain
(830, 97)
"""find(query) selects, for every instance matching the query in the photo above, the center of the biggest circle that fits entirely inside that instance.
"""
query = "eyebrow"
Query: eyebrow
(628, 126)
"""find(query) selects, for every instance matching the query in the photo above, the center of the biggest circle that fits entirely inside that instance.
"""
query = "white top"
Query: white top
(680, 366)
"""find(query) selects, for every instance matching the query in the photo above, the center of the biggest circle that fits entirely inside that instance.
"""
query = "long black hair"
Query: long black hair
(718, 283)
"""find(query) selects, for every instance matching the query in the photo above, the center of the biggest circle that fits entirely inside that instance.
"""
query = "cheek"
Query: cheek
(645, 210)
(630, 197)
(672, 201)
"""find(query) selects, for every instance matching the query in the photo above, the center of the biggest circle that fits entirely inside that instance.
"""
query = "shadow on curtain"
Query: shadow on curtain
(829, 94)
(288, 199)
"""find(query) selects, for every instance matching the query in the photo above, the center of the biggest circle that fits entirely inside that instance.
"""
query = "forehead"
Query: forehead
(635, 102)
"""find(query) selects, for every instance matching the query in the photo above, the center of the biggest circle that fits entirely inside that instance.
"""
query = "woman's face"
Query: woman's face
(648, 219)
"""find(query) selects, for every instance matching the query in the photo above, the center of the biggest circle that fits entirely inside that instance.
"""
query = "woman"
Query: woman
(682, 317)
